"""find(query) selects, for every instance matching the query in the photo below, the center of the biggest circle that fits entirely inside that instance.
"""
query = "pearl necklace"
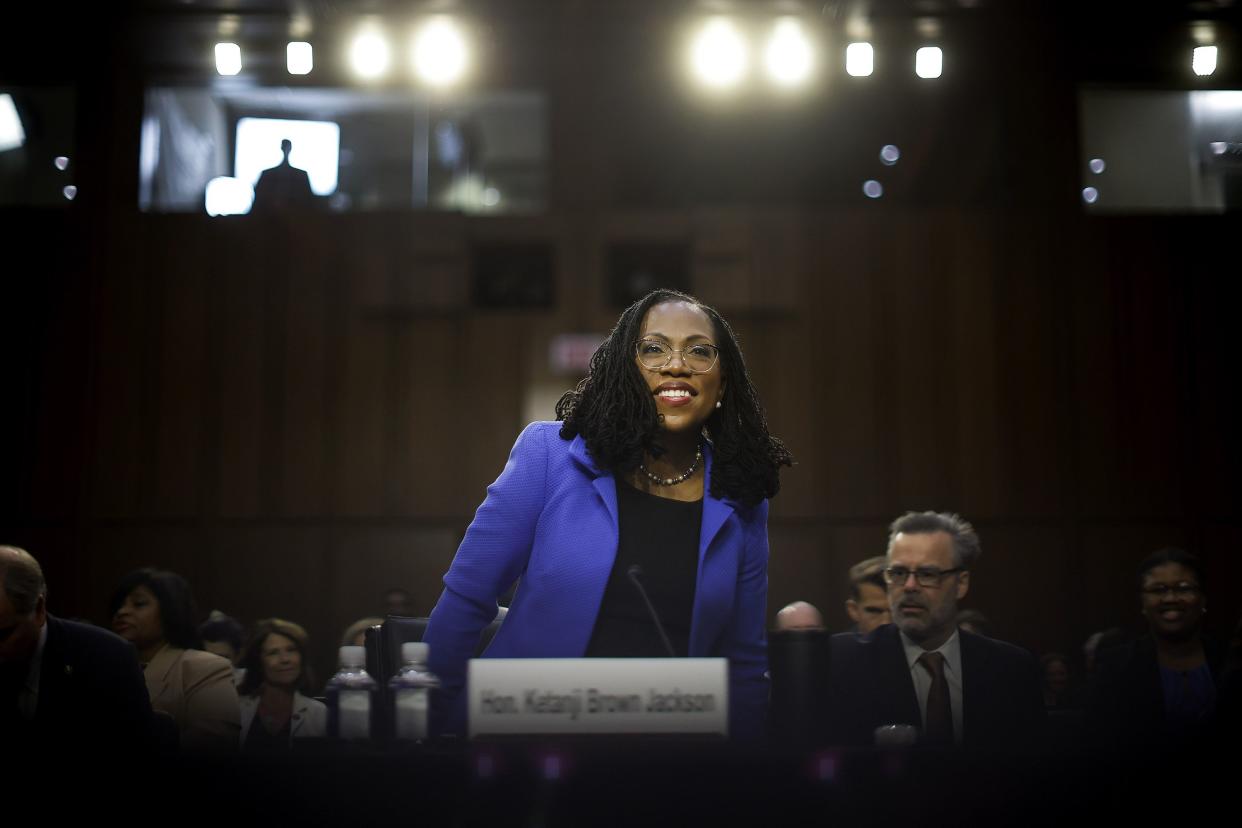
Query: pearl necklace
(673, 481)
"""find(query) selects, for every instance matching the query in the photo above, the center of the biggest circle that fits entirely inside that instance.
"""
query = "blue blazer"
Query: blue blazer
(550, 519)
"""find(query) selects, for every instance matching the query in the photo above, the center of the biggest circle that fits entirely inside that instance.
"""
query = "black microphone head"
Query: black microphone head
(635, 571)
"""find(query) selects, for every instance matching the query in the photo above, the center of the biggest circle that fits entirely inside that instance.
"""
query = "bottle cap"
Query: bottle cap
(415, 652)
(353, 656)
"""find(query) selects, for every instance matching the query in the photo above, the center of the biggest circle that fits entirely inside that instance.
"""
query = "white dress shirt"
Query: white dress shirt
(952, 652)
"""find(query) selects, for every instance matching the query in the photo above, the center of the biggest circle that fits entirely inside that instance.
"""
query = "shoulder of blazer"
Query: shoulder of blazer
(199, 668)
(980, 648)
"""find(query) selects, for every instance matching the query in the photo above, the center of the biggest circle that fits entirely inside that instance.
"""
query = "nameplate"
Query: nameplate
(512, 696)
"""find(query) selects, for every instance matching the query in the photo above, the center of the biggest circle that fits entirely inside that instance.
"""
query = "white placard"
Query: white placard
(510, 696)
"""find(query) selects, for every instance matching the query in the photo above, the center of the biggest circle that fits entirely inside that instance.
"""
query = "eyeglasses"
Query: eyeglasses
(926, 576)
(655, 355)
(1185, 589)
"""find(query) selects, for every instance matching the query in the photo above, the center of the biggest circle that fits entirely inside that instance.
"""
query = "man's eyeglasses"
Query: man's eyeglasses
(655, 355)
(1185, 589)
(926, 576)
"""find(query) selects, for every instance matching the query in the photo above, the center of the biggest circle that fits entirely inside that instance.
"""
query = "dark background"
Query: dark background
(298, 413)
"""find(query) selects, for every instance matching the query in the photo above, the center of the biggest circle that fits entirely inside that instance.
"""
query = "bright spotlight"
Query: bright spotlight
(227, 196)
(1090, 195)
(873, 188)
(228, 58)
(300, 58)
(12, 135)
(718, 55)
(440, 52)
(1204, 60)
(788, 56)
(1096, 165)
(369, 54)
(859, 59)
(928, 62)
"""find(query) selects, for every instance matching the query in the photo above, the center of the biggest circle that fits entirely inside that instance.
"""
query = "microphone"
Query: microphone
(635, 572)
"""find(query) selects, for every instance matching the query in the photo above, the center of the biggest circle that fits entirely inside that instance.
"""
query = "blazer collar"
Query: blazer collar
(163, 662)
(715, 510)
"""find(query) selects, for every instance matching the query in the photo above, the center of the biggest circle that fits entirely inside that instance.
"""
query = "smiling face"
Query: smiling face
(684, 399)
(282, 661)
(1173, 601)
(928, 615)
(137, 620)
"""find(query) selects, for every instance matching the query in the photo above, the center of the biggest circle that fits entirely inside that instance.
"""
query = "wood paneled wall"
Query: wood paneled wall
(298, 415)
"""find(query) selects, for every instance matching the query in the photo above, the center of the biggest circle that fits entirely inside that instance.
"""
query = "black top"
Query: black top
(260, 739)
(662, 537)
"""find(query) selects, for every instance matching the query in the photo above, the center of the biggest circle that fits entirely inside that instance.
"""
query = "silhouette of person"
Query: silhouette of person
(283, 186)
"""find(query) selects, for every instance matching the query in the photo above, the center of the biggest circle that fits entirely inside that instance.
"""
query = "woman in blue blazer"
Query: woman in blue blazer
(662, 463)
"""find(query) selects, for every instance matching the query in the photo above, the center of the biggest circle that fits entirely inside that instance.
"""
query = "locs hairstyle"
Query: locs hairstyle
(613, 411)
(177, 611)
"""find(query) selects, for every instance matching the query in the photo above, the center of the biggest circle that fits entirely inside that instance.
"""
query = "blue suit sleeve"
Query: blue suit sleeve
(745, 641)
(491, 557)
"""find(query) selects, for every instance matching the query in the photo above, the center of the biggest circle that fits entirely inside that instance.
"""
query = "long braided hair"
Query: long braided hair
(613, 410)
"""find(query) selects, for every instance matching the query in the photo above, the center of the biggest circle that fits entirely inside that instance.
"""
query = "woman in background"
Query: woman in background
(276, 707)
(154, 611)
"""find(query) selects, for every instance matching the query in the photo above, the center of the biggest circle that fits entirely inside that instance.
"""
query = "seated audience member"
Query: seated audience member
(1100, 642)
(355, 633)
(1162, 687)
(276, 707)
(867, 605)
(973, 621)
(154, 611)
(955, 687)
(799, 616)
(63, 685)
(1058, 689)
(397, 602)
(224, 636)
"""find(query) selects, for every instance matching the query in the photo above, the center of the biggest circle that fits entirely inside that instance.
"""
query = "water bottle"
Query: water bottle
(411, 693)
(351, 697)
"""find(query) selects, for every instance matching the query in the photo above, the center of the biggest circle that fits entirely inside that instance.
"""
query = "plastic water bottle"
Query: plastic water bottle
(351, 697)
(411, 688)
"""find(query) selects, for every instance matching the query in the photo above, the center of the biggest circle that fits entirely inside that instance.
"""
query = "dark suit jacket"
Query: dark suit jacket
(870, 685)
(91, 691)
(1126, 701)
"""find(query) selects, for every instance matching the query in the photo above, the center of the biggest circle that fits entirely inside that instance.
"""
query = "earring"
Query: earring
(718, 403)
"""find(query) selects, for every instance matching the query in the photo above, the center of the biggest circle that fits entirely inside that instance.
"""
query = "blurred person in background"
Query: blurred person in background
(225, 637)
(799, 616)
(276, 703)
(867, 605)
(154, 611)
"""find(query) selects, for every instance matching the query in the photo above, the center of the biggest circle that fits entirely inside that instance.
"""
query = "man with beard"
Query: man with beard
(956, 688)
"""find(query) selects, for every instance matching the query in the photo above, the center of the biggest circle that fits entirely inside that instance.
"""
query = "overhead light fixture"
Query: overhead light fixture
(1204, 60)
(12, 135)
(299, 57)
(859, 59)
(369, 54)
(718, 55)
(440, 52)
(788, 56)
(228, 58)
(928, 62)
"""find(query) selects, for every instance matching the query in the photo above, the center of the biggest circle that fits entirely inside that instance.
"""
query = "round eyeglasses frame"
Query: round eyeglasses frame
(668, 355)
